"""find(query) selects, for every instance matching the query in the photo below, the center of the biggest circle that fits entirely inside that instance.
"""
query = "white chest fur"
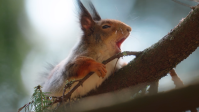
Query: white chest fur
(91, 83)
(95, 81)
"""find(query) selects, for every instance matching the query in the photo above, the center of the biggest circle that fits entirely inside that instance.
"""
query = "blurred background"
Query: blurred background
(37, 33)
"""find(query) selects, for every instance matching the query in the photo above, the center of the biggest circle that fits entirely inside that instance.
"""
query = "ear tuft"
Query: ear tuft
(96, 15)
(85, 18)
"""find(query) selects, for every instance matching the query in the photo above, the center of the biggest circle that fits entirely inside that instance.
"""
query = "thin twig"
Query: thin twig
(177, 81)
(68, 85)
(181, 3)
(25, 106)
(67, 96)
(154, 87)
(80, 82)
(125, 53)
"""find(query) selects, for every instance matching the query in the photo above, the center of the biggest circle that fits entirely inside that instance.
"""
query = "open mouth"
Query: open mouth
(119, 43)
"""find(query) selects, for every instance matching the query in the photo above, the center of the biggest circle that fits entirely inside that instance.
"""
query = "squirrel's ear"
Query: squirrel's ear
(85, 18)
(86, 23)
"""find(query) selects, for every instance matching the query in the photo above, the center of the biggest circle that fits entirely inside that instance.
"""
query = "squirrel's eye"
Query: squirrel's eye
(106, 26)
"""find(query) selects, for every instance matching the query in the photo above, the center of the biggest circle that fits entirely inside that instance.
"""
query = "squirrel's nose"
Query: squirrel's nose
(128, 29)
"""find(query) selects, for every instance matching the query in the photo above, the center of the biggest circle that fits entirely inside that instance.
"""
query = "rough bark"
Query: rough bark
(156, 61)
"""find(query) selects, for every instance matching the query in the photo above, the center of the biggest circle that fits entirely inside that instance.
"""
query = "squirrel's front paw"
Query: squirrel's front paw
(98, 68)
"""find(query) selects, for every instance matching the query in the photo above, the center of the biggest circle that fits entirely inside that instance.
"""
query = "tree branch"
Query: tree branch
(156, 61)
(170, 101)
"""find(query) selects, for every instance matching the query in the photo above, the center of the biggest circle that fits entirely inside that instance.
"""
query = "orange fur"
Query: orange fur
(87, 65)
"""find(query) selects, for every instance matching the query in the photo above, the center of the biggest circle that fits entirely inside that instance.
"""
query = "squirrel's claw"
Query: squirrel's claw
(98, 68)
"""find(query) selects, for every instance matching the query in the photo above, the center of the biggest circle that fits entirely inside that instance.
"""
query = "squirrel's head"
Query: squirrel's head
(104, 32)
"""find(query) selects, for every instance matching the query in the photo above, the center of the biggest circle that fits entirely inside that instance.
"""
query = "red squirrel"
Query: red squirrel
(101, 39)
